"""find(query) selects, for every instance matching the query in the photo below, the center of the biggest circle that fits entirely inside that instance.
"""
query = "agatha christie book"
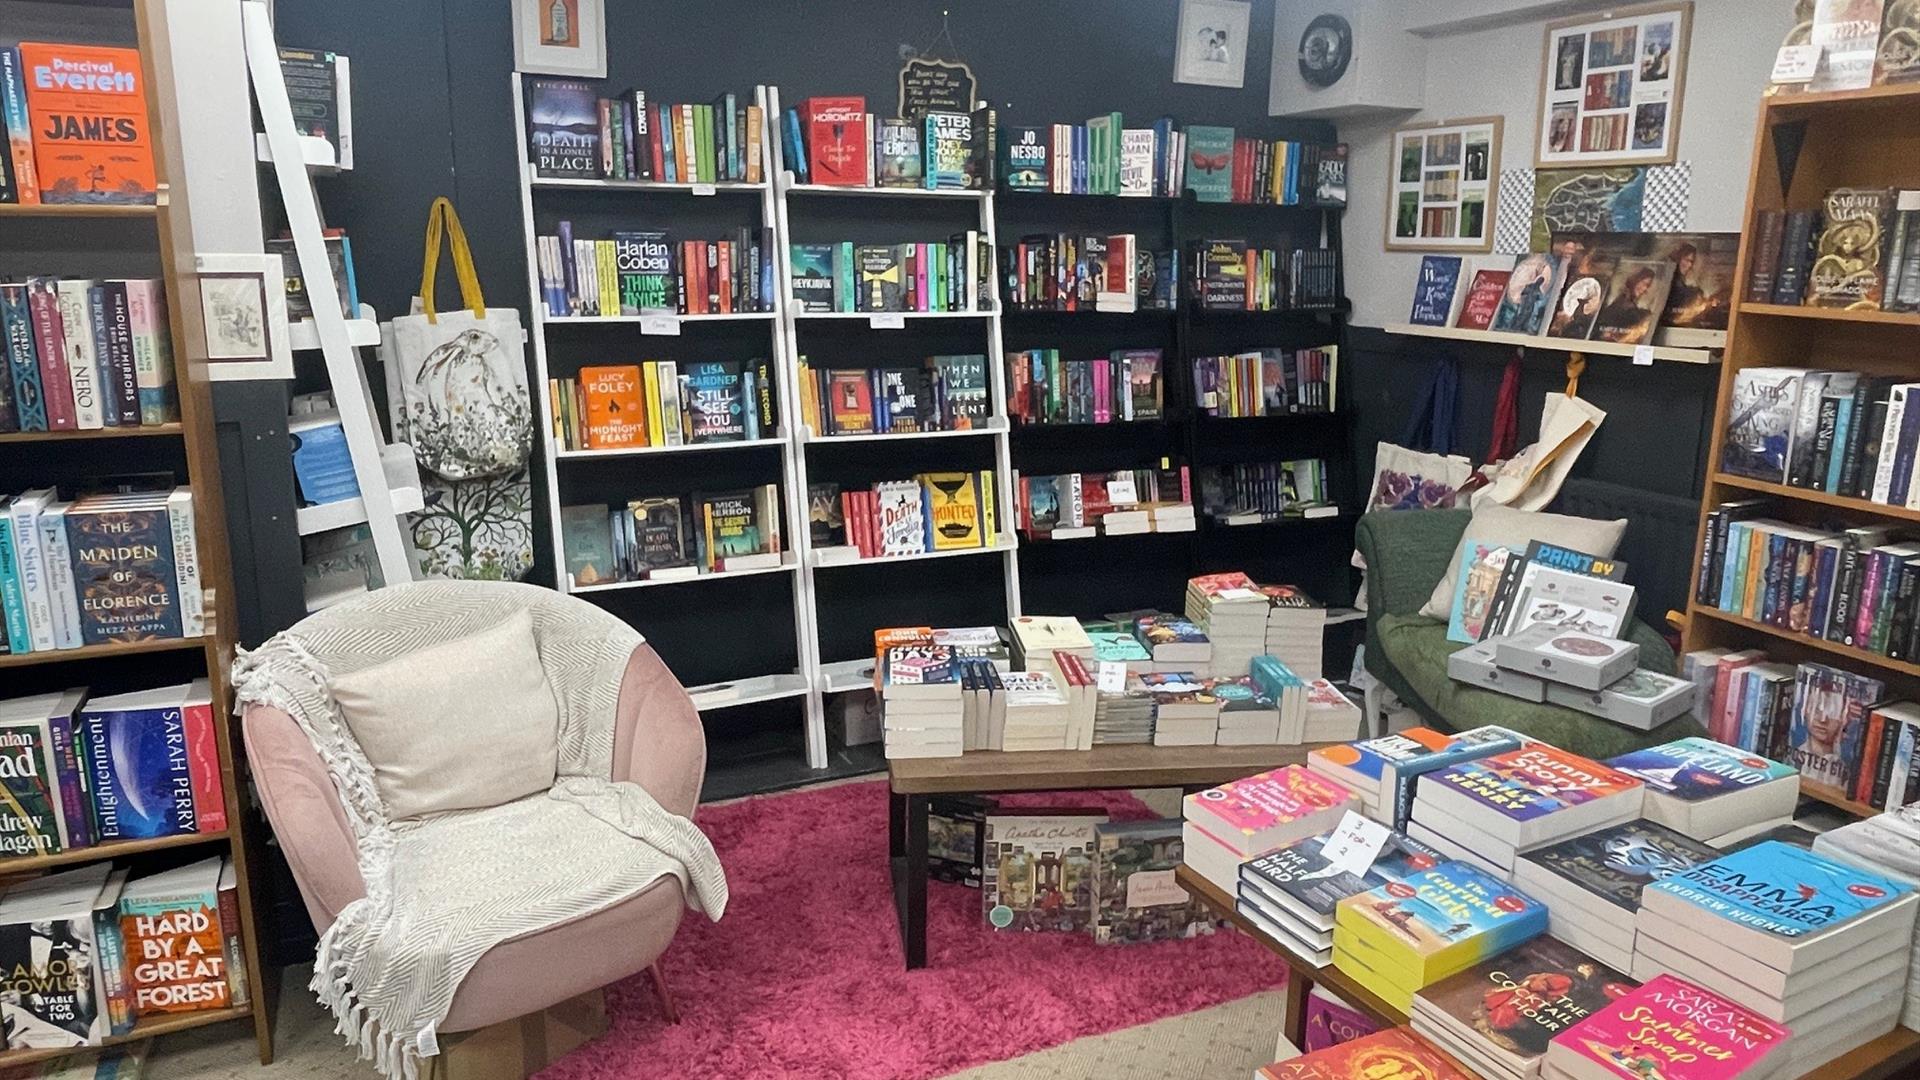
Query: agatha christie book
(1510, 1007)
(1314, 886)
(1038, 870)
(1672, 1030)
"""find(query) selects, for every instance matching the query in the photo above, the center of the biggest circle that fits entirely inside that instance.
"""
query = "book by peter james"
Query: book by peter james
(1038, 870)
(1518, 1001)
(1670, 1028)
(88, 109)
(563, 126)
(1618, 862)
(950, 141)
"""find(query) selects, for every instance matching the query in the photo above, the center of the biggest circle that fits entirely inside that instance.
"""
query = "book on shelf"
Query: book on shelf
(152, 763)
(944, 393)
(77, 141)
(1267, 382)
(932, 512)
(576, 132)
(1221, 166)
(1436, 291)
(57, 935)
(1080, 272)
(1482, 299)
(48, 808)
(339, 248)
(670, 538)
(1249, 493)
(661, 403)
(1592, 882)
(1856, 251)
(177, 942)
(319, 89)
(1077, 505)
(1235, 275)
(836, 141)
(923, 276)
(98, 569)
(85, 354)
(1125, 385)
(640, 272)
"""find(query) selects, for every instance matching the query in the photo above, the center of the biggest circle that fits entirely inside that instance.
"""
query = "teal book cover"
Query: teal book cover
(1782, 889)
(1210, 163)
(1474, 587)
(813, 277)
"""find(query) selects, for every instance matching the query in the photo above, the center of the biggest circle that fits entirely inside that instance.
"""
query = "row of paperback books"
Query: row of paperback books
(661, 403)
(74, 140)
(1859, 250)
(949, 275)
(1072, 506)
(1104, 157)
(671, 538)
(1621, 288)
(1124, 385)
(1251, 492)
(1234, 275)
(643, 272)
(1072, 272)
(84, 354)
(1856, 587)
(941, 511)
(80, 770)
(86, 567)
(836, 141)
(576, 133)
(1841, 432)
(1840, 729)
(103, 950)
(1267, 382)
(943, 393)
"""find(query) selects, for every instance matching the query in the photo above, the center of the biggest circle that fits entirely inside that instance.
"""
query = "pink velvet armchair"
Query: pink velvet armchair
(659, 744)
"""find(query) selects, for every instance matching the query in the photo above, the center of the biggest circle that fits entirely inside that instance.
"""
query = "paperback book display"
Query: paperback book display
(647, 272)
(75, 140)
(1500, 1015)
(1070, 272)
(1670, 1028)
(1711, 791)
(1123, 386)
(930, 276)
(1249, 493)
(1100, 157)
(1234, 275)
(1593, 882)
(1267, 382)
(84, 354)
(1487, 809)
(1381, 772)
(1888, 844)
(672, 537)
(576, 132)
(1232, 823)
(98, 568)
(1403, 936)
(1292, 893)
(836, 141)
(1073, 506)
(940, 511)
(1246, 620)
(1502, 591)
(941, 393)
(1222, 166)
(1857, 250)
(1841, 432)
(663, 403)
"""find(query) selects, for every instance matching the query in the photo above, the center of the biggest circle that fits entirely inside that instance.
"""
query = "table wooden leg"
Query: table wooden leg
(908, 832)
(896, 825)
(1296, 1025)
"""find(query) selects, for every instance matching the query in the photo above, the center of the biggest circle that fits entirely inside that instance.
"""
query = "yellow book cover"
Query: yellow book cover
(616, 410)
(555, 428)
(657, 431)
(1387, 969)
(603, 259)
(1352, 968)
(953, 512)
(755, 117)
(989, 510)
(1756, 567)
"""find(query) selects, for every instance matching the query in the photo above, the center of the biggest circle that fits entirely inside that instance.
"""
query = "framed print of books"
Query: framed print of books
(1610, 87)
(1443, 186)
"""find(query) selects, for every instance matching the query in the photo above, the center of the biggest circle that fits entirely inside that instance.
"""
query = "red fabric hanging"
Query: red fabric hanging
(1505, 437)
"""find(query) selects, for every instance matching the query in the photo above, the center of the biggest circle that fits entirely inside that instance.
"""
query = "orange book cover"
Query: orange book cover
(177, 959)
(616, 407)
(1395, 1052)
(88, 109)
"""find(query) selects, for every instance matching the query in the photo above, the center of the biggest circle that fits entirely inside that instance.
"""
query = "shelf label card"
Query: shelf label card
(704, 189)
(1112, 678)
(1355, 843)
(660, 325)
(892, 320)
(1643, 355)
(1795, 64)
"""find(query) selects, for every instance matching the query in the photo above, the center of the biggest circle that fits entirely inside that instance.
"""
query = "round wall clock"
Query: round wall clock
(1325, 50)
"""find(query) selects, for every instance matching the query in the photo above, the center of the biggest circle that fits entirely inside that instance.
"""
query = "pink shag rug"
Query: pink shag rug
(803, 978)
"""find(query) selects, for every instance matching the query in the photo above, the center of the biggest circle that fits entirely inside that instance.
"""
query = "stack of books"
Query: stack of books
(983, 699)
(1486, 810)
(937, 511)
(1580, 669)
(1125, 717)
(1037, 637)
(1185, 712)
(1400, 776)
(920, 693)
(1360, 766)
(1710, 791)
(133, 555)
(1289, 692)
(1292, 893)
(1296, 629)
(1076, 679)
(1593, 882)
(1232, 611)
(1806, 941)
(1249, 716)
(1500, 1015)
(1328, 715)
(1673, 1030)
(85, 354)
(1888, 844)
(1039, 715)
(1176, 644)
(1114, 643)
(1227, 825)
(1404, 936)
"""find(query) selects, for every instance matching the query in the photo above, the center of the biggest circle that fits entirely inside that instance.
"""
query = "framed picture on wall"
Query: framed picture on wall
(1211, 43)
(560, 37)
(1444, 186)
(1610, 87)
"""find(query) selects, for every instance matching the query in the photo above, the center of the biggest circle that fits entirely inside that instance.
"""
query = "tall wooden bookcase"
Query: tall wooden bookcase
(1807, 145)
(135, 241)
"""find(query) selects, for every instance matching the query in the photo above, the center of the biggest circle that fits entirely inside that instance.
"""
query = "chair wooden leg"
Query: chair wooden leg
(666, 996)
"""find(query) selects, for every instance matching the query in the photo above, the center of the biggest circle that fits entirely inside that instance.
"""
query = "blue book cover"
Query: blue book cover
(1697, 768)
(796, 148)
(23, 364)
(1474, 744)
(716, 400)
(1781, 889)
(1454, 914)
(1842, 430)
(13, 598)
(1433, 290)
(123, 570)
(1210, 163)
(138, 764)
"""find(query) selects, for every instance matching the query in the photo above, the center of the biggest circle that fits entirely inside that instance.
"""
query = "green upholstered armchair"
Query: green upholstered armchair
(1407, 551)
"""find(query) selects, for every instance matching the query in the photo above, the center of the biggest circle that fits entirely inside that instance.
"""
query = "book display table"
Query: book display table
(1895, 1054)
(995, 772)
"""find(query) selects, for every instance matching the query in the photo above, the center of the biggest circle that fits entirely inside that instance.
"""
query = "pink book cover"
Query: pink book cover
(923, 296)
(203, 765)
(1245, 807)
(1102, 392)
(1330, 1023)
(1675, 1030)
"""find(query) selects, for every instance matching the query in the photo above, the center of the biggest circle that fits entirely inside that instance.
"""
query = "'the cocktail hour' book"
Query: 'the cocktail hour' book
(1508, 1008)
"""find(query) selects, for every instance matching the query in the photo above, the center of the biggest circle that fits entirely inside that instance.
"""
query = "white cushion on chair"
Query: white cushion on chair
(465, 723)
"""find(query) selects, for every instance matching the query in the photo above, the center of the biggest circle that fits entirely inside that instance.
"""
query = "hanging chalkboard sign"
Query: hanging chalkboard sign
(943, 85)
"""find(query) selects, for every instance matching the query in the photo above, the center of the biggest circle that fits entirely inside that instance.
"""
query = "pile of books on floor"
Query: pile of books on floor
(133, 554)
(85, 354)
(1485, 810)
(87, 941)
(1594, 673)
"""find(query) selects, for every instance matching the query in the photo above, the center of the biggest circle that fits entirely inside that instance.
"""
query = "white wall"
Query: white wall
(1497, 71)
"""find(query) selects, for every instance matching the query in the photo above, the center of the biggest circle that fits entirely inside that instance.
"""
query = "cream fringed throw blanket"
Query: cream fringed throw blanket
(442, 890)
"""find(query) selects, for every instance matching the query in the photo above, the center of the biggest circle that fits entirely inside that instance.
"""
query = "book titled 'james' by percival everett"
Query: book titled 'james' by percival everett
(88, 108)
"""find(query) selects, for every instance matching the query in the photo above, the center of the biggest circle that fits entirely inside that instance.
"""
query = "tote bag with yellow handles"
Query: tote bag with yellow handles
(463, 374)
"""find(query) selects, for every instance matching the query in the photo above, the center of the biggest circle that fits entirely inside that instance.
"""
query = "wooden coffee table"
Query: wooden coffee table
(995, 772)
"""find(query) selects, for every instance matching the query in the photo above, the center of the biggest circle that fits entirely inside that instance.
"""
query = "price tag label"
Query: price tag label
(1795, 64)
(1120, 491)
(704, 189)
(892, 320)
(1112, 678)
(661, 325)
(1643, 355)
(1354, 844)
